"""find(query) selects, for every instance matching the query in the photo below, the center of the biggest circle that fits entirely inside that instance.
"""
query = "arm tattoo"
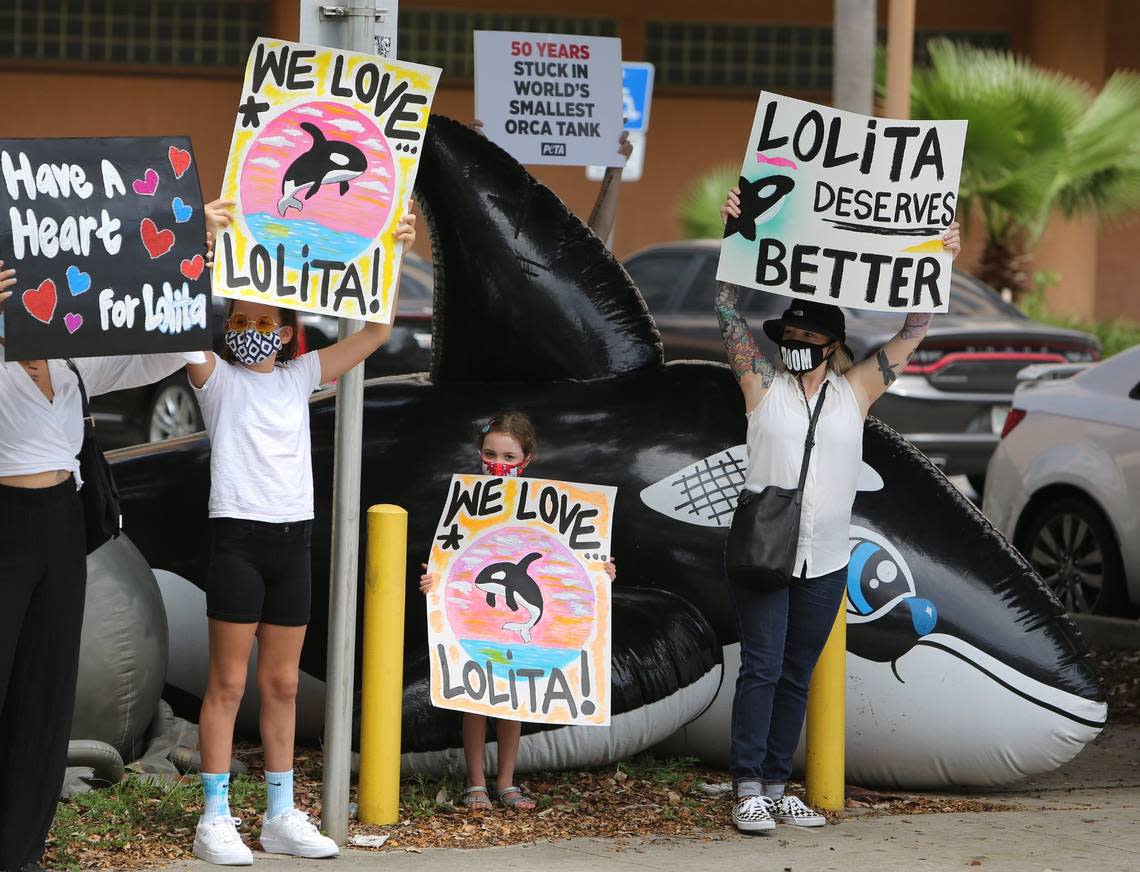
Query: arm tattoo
(607, 183)
(886, 368)
(915, 326)
(743, 354)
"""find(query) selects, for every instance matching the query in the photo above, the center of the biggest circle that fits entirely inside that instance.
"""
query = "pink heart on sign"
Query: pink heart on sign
(72, 321)
(147, 185)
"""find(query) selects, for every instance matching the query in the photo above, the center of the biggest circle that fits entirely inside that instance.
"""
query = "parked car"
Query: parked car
(1065, 483)
(169, 409)
(951, 401)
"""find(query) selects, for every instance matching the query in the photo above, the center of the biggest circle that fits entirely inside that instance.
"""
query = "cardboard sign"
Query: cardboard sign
(519, 619)
(108, 241)
(844, 208)
(324, 155)
(550, 98)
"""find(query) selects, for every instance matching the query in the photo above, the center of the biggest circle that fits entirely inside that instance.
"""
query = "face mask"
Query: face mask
(503, 470)
(801, 357)
(251, 347)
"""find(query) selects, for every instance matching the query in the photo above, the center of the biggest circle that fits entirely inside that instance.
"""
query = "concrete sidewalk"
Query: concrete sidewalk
(1083, 818)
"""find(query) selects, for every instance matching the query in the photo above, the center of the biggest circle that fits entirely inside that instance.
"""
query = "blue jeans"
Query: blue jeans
(781, 636)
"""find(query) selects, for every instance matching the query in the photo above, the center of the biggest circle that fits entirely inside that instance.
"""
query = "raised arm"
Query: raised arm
(871, 378)
(219, 216)
(604, 214)
(339, 358)
(753, 370)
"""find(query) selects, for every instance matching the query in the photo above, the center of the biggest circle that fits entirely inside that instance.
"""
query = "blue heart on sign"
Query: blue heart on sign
(78, 282)
(182, 212)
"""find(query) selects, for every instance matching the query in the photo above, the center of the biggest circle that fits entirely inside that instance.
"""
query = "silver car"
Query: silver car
(1064, 483)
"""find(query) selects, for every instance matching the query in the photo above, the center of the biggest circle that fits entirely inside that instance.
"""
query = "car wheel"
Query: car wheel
(173, 412)
(1072, 547)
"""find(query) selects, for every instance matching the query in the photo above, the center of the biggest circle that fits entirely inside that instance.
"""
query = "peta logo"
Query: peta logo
(553, 149)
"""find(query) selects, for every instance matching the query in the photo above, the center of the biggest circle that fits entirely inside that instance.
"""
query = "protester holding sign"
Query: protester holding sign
(255, 402)
(783, 630)
(506, 445)
(43, 568)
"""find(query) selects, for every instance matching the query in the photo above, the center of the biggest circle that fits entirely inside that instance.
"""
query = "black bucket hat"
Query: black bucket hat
(809, 315)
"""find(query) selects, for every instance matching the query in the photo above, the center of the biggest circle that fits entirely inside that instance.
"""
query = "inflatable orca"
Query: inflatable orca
(531, 312)
(327, 162)
(513, 582)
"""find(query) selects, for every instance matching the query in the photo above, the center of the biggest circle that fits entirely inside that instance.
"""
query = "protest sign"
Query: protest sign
(324, 155)
(844, 208)
(550, 98)
(519, 618)
(108, 241)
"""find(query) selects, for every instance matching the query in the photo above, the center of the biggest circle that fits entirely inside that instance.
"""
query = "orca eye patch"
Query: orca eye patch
(498, 576)
(341, 159)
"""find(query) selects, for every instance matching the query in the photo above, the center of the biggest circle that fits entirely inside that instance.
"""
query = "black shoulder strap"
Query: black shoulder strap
(809, 442)
(82, 392)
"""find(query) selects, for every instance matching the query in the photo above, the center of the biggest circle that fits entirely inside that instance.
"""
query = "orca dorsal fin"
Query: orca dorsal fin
(313, 131)
(525, 563)
(524, 291)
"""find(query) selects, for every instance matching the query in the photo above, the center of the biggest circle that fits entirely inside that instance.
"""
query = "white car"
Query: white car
(1064, 483)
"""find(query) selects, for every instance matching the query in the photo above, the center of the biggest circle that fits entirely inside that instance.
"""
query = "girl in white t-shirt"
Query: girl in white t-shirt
(255, 402)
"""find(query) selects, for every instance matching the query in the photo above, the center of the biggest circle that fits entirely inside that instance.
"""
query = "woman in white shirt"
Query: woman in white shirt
(783, 632)
(43, 574)
(255, 402)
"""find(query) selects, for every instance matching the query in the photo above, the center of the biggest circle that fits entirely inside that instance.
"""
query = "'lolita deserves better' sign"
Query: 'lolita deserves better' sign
(108, 241)
(550, 98)
(323, 159)
(844, 208)
(519, 619)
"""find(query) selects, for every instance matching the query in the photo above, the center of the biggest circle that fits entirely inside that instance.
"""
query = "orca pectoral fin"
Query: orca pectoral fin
(491, 600)
(512, 603)
(343, 188)
(316, 186)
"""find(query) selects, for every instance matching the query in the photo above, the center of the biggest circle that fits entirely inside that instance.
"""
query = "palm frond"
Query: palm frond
(699, 207)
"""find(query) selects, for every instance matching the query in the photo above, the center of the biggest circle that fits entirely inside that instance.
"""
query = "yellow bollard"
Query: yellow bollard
(382, 683)
(826, 721)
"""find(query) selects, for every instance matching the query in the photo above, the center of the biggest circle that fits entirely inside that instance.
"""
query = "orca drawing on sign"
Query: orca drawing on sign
(513, 583)
(760, 201)
(327, 162)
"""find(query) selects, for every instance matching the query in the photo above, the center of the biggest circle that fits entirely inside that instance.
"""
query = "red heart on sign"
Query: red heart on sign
(179, 160)
(157, 242)
(40, 303)
(193, 267)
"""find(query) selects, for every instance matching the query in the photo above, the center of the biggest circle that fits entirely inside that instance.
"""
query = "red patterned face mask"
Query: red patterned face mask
(503, 470)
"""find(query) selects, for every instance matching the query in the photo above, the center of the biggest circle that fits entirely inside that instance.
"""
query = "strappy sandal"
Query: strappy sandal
(473, 802)
(513, 798)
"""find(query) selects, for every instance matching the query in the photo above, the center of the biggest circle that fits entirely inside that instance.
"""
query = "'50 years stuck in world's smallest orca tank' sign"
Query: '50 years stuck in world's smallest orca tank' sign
(519, 618)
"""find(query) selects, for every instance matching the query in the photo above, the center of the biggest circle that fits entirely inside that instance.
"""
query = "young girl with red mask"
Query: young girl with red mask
(255, 401)
(506, 445)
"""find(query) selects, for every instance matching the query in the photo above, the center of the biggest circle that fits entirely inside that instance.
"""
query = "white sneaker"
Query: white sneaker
(292, 833)
(792, 810)
(751, 814)
(217, 841)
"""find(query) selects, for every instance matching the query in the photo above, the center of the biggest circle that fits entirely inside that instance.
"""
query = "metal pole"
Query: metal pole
(900, 57)
(853, 75)
(360, 22)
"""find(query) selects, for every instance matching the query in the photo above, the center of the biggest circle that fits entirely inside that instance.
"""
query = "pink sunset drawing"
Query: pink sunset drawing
(567, 592)
(354, 219)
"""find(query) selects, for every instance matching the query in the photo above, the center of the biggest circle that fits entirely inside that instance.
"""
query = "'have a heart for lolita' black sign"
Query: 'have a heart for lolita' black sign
(107, 237)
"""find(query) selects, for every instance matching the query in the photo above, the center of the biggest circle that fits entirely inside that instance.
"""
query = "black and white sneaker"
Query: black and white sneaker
(792, 810)
(752, 814)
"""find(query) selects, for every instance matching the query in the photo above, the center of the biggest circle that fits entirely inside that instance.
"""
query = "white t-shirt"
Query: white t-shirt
(41, 436)
(777, 429)
(261, 466)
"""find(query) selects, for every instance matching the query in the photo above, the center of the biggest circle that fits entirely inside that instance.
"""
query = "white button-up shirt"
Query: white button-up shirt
(777, 428)
(41, 436)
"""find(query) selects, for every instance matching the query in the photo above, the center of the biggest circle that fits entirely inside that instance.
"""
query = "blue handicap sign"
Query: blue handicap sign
(637, 92)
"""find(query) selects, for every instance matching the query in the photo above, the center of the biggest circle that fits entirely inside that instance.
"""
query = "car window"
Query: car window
(703, 291)
(413, 288)
(661, 276)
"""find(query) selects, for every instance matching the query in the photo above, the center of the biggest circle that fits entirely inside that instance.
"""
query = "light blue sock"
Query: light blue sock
(216, 789)
(279, 793)
(774, 790)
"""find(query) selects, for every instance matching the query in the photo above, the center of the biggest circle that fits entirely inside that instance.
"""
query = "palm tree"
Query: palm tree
(699, 207)
(1037, 141)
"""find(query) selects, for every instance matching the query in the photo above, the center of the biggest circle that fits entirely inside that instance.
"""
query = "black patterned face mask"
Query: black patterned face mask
(251, 347)
(800, 357)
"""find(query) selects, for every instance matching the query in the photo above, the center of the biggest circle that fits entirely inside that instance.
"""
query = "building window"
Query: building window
(181, 33)
(441, 38)
(760, 56)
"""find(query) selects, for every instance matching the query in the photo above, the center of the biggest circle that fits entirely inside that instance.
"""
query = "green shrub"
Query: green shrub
(1115, 335)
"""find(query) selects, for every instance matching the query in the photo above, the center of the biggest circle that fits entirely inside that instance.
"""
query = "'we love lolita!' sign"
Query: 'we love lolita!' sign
(108, 239)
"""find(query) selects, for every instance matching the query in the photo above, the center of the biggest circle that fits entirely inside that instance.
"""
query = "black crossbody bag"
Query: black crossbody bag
(761, 550)
(100, 497)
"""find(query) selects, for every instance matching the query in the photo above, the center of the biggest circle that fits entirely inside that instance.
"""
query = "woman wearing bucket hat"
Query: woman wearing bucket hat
(782, 632)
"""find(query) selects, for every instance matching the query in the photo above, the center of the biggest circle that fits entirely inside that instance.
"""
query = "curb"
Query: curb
(1108, 634)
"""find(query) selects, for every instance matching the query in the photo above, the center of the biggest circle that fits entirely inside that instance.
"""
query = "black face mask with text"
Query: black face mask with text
(800, 357)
